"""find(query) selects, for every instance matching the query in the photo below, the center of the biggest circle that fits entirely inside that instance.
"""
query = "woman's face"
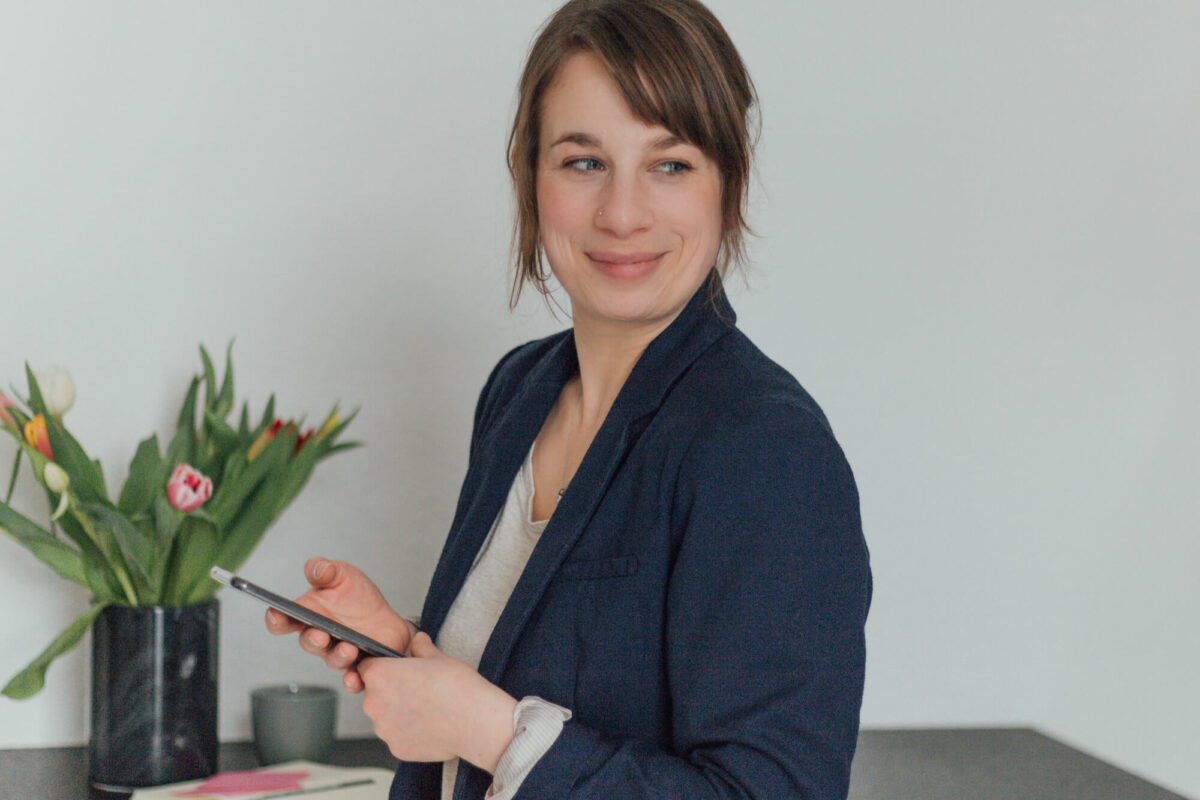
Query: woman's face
(630, 215)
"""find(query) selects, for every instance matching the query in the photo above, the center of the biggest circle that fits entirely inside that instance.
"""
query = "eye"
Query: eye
(673, 167)
(583, 164)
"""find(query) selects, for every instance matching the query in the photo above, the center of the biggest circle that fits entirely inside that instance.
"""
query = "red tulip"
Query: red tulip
(187, 489)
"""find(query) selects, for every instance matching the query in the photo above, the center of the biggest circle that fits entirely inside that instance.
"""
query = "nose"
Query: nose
(624, 207)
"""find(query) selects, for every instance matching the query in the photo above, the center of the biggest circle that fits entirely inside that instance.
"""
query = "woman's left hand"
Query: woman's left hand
(431, 707)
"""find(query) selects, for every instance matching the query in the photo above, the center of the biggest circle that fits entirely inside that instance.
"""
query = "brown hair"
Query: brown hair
(676, 67)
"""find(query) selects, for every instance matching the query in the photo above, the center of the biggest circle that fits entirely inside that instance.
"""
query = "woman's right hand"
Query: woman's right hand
(342, 592)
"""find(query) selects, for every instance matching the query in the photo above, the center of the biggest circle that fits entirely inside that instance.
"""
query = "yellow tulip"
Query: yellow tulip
(36, 436)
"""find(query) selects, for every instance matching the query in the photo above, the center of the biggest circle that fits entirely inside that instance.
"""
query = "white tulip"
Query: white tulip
(56, 478)
(58, 390)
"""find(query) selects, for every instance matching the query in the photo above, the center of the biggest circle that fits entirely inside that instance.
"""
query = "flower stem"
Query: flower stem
(130, 593)
(12, 482)
(118, 571)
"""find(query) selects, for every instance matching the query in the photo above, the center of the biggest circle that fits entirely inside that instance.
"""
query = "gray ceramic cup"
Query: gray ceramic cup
(293, 722)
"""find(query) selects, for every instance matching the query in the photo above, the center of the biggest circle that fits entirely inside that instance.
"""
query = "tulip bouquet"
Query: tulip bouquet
(206, 500)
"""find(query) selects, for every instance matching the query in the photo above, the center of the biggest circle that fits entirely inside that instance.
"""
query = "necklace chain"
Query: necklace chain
(562, 484)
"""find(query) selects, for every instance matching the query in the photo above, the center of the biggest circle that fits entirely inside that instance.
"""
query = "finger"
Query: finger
(342, 656)
(352, 682)
(364, 669)
(320, 572)
(422, 646)
(279, 623)
(315, 641)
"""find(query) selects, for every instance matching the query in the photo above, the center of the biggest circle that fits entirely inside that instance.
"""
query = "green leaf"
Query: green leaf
(268, 416)
(340, 446)
(240, 540)
(224, 440)
(183, 446)
(30, 680)
(123, 568)
(100, 577)
(167, 522)
(137, 551)
(210, 379)
(221, 431)
(103, 584)
(36, 404)
(45, 546)
(194, 554)
(87, 480)
(227, 502)
(147, 478)
(224, 402)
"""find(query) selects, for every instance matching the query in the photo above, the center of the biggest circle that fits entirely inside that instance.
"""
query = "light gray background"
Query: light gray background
(977, 248)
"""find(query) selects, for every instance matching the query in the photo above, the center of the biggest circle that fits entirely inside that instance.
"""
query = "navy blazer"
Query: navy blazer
(698, 597)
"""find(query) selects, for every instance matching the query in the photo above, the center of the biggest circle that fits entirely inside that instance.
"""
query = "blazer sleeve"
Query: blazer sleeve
(767, 601)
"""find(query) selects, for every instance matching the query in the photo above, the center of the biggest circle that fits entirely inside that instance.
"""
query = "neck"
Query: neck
(607, 353)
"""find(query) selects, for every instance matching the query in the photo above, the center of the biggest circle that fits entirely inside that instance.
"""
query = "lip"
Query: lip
(625, 265)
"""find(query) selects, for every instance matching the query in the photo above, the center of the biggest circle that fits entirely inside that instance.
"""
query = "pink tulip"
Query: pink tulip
(187, 489)
(5, 417)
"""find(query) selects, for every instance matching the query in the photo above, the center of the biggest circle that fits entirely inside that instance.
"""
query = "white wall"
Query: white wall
(978, 246)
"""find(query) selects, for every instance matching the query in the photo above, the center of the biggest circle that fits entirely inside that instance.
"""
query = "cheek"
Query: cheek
(558, 207)
(563, 215)
(699, 217)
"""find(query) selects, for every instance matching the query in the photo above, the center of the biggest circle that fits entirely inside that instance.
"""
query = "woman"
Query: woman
(655, 584)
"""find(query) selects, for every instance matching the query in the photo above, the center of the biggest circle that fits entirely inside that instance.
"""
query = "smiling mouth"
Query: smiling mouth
(625, 265)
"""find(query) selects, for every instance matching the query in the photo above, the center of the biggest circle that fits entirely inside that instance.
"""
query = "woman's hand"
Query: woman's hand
(342, 592)
(431, 707)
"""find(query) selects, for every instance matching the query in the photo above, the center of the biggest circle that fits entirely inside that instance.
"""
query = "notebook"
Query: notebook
(293, 779)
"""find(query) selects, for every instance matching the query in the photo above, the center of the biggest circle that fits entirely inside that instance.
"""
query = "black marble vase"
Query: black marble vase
(154, 696)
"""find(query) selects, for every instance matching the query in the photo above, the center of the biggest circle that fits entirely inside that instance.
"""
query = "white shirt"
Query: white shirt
(473, 616)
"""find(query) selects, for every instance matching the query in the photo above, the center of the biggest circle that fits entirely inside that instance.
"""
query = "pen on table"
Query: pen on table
(315, 789)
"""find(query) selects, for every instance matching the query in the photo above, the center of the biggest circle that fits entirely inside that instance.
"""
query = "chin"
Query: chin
(629, 307)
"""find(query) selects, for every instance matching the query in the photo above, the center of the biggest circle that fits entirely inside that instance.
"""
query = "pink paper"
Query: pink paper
(232, 784)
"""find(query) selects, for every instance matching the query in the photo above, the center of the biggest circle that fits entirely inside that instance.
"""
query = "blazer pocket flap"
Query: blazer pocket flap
(593, 568)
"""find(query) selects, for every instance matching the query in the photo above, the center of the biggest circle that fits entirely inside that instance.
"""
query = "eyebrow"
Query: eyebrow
(587, 140)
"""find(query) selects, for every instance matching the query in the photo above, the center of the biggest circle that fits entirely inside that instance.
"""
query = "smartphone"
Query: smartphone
(338, 631)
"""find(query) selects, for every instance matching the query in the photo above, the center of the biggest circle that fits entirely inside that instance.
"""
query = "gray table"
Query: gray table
(955, 764)
(986, 764)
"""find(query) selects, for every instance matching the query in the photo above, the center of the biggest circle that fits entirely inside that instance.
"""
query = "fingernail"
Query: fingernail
(319, 567)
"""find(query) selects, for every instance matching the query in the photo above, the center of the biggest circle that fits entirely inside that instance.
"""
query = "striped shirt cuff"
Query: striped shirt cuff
(536, 726)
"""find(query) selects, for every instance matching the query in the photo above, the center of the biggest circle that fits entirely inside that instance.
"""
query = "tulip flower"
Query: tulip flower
(5, 417)
(36, 436)
(187, 489)
(58, 390)
(57, 480)
(332, 422)
(269, 434)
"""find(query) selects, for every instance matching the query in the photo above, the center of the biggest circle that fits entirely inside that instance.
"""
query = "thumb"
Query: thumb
(320, 572)
(422, 646)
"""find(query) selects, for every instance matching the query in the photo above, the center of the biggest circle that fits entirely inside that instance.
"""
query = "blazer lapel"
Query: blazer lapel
(705, 319)
(501, 453)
